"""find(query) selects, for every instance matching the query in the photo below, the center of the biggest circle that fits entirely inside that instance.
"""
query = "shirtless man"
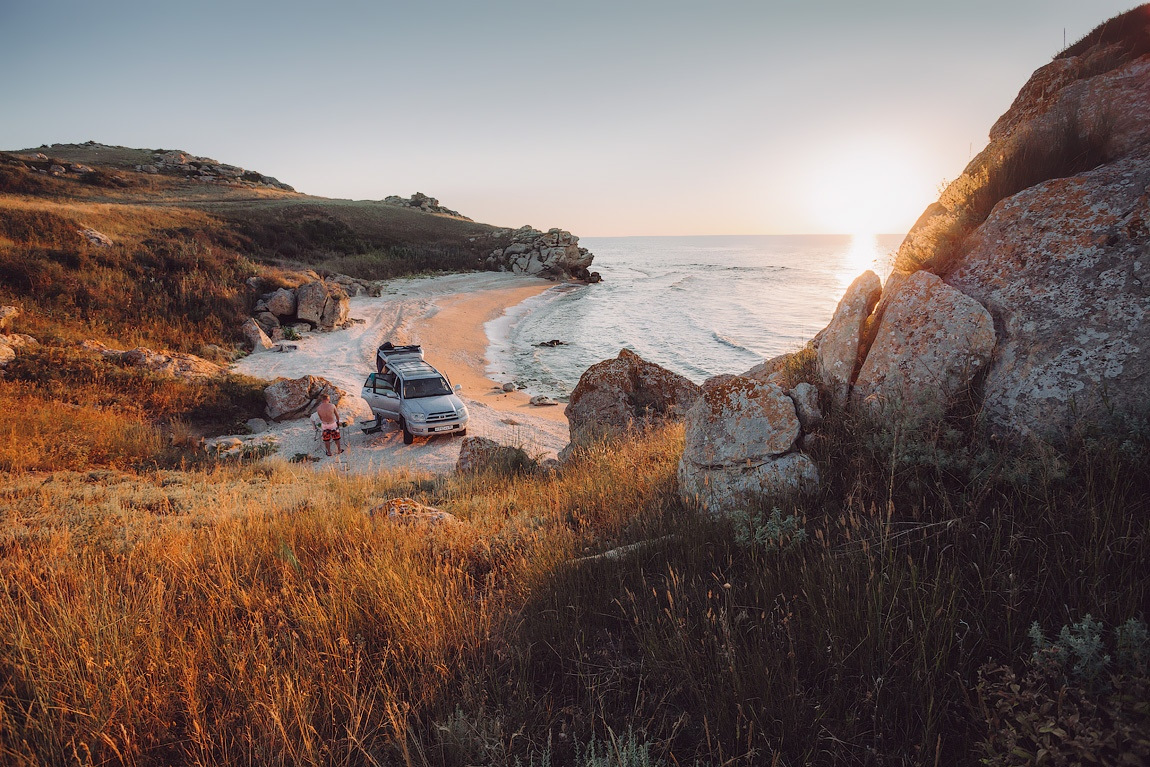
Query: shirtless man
(329, 421)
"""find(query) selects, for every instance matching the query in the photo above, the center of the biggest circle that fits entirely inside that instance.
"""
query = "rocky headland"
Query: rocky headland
(1020, 296)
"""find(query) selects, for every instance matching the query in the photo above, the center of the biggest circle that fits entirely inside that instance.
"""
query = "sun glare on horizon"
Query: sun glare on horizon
(865, 189)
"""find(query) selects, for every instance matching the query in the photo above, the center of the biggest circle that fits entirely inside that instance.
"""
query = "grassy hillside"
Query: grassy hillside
(182, 248)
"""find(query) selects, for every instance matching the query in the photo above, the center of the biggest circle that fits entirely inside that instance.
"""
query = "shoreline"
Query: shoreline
(454, 339)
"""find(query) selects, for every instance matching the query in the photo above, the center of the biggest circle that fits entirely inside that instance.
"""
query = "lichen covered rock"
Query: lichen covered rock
(932, 341)
(1065, 268)
(478, 454)
(838, 353)
(323, 304)
(738, 443)
(624, 394)
(289, 398)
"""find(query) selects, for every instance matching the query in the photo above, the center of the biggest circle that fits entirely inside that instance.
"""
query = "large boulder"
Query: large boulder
(255, 335)
(7, 353)
(739, 438)
(478, 454)
(323, 304)
(289, 398)
(8, 315)
(931, 343)
(838, 352)
(1064, 268)
(623, 394)
(281, 303)
(406, 511)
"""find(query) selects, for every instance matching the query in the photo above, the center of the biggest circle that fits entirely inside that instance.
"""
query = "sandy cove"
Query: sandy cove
(447, 316)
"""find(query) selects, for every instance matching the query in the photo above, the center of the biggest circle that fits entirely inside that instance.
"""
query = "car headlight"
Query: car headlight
(461, 409)
(418, 417)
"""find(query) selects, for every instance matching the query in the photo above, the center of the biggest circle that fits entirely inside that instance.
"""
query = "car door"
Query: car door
(381, 396)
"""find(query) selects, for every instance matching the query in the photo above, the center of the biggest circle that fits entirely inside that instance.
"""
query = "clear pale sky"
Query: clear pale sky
(604, 118)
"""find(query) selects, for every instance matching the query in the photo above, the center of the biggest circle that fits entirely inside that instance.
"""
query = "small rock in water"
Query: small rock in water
(553, 342)
(509, 386)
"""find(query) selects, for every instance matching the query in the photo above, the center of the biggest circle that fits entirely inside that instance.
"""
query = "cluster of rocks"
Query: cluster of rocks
(170, 364)
(41, 163)
(11, 343)
(289, 312)
(421, 201)
(289, 398)
(177, 163)
(224, 448)
(744, 436)
(554, 254)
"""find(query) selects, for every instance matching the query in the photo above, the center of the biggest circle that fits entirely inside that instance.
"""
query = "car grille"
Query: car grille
(444, 416)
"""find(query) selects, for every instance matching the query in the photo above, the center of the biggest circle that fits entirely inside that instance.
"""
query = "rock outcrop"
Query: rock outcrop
(838, 352)
(478, 454)
(555, 253)
(931, 343)
(205, 169)
(421, 201)
(1032, 266)
(625, 394)
(740, 438)
(1065, 269)
(289, 398)
(323, 304)
(172, 364)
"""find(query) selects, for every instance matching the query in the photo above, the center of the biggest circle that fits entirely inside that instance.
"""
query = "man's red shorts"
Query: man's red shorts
(330, 434)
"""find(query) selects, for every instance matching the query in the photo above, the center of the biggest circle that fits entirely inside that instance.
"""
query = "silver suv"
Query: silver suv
(411, 392)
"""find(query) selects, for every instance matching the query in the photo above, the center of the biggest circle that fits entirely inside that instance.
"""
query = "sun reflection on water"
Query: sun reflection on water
(864, 253)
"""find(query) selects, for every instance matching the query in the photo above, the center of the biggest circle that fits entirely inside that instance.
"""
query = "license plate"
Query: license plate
(441, 428)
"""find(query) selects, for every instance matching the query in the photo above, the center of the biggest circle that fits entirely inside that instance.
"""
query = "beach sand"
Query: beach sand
(446, 315)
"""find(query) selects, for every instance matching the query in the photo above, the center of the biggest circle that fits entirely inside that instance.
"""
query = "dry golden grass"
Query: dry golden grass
(120, 221)
(257, 615)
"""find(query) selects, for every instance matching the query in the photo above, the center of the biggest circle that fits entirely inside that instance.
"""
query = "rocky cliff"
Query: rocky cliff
(1025, 284)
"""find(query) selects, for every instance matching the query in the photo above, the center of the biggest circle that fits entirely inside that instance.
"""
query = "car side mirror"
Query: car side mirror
(458, 387)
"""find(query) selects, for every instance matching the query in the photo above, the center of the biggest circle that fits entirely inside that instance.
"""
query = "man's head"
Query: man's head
(325, 398)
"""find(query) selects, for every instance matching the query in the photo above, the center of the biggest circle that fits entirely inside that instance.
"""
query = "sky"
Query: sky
(627, 117)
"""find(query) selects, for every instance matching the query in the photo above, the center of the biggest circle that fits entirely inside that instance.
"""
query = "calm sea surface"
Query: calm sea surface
(699, 306)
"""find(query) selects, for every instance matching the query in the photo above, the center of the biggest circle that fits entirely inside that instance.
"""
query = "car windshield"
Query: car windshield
(425, 387)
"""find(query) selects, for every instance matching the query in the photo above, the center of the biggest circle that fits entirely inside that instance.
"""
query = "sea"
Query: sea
(699, 306)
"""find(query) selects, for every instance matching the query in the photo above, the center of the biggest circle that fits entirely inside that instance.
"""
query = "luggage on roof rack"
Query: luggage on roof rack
(388, 351)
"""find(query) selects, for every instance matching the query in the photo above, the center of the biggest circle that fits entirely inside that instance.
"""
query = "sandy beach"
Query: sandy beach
(447, 316)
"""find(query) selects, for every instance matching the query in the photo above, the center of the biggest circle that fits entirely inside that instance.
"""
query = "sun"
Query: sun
(866, 188)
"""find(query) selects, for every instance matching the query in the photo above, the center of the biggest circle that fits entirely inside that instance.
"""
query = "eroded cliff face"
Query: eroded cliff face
(1046, 231)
